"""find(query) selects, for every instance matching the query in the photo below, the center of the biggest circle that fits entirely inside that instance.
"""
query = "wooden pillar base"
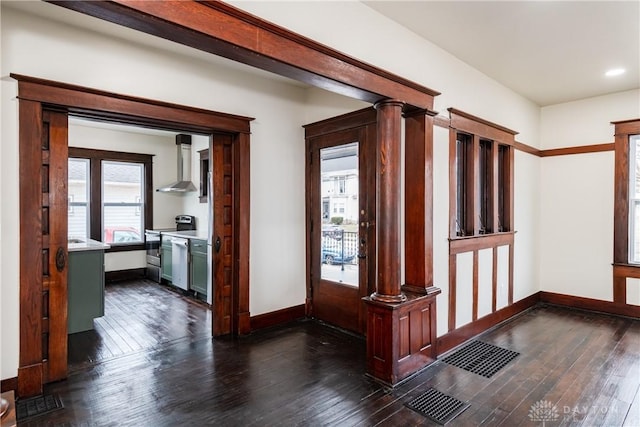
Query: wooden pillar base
(401, 337)
(388, 298)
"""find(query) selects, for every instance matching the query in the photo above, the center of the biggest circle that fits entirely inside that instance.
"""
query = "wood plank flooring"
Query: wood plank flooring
(586, 365)
(139, 315)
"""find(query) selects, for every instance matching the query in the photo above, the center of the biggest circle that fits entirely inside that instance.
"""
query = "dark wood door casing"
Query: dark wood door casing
(43, 152)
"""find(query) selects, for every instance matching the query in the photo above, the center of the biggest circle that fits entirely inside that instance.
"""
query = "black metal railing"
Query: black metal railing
(339, 247)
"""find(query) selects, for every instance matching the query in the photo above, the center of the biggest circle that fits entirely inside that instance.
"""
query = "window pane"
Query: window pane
(634, 199)
(503, 171)
(634, 210)
(463, 142)
(635, 164)
(339, 191)
(485, 163)
(122, 202)
(78, 211)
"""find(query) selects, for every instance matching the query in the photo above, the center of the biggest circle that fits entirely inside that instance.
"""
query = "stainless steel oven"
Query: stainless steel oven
(153, 240)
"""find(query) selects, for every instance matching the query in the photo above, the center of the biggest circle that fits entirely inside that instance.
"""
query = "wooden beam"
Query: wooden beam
(224, 30)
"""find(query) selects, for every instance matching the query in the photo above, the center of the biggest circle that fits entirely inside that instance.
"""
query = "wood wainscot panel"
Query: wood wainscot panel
(401, 337)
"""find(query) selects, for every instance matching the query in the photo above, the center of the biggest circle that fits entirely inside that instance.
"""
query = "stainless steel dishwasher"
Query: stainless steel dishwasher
(180, 262)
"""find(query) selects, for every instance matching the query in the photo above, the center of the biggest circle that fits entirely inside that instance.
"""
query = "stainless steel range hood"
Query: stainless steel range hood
(183, 184)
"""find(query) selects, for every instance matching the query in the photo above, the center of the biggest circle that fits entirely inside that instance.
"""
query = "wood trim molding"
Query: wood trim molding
(580, 149)
(352, 120)
(457, 336)
(486, 241)
(526, 148)
(466, 122)
(9, 384)
(621, 189)
(590, 304)
(278, 317)
(224, 30)
(106, 106)
(626, 270)
(445, 122)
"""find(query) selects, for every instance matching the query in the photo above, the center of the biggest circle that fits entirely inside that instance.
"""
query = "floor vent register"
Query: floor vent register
(36, 406)
(437, 406)
(481, 358)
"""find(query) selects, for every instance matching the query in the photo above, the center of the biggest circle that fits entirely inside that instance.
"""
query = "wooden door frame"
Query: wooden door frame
(37, 94)
(364, 120)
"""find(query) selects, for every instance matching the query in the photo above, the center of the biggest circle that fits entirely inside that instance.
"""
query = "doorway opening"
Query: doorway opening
(44, 108)
(128, 298)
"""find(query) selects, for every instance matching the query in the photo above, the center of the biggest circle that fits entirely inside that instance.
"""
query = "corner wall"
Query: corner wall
(576, 209)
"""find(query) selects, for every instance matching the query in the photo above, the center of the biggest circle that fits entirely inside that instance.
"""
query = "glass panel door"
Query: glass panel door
(339, 204)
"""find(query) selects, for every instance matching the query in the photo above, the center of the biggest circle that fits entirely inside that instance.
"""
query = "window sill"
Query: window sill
(622, 264)
(482, 236)
(482, 241)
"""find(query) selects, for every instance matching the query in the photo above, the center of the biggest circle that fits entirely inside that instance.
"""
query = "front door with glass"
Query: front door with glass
(341, 236)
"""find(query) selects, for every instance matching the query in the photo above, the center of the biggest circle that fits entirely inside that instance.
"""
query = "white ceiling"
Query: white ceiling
(548, 51)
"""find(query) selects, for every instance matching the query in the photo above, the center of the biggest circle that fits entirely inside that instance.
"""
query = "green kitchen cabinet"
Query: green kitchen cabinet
(85, 289)
(199, 266)
(165, 258)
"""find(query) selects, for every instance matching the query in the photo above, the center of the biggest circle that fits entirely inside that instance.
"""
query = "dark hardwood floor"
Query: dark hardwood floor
(307, 374)
(139, 315)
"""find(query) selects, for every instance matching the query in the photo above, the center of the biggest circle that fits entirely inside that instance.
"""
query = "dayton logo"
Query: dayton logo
(543, 411)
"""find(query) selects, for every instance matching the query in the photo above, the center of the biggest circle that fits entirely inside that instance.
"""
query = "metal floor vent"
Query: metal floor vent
(36, 406)
(481, 358)
(437, 406)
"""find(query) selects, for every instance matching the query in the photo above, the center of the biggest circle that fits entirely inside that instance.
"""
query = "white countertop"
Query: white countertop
(86, 245)
(187, 234)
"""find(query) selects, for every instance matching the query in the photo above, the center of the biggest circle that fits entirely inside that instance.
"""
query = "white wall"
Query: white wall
(576, 207)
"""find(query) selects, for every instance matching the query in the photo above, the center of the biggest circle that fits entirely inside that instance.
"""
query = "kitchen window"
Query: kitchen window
(78, 212)
(117, 201)
(122, 202)
(481, 177)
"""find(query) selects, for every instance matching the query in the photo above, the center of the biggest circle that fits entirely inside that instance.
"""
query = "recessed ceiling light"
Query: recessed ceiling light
(615, 72)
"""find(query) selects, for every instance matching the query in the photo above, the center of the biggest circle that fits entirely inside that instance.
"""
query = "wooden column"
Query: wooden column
(418, 200)
(389, 137)
(401, 329)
